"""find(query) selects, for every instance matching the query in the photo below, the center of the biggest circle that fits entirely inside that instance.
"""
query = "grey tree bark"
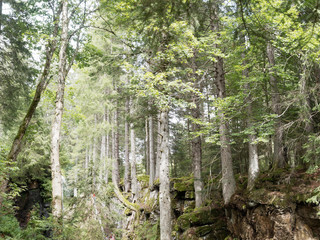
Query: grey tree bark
(151, 153)
(106, 172)
(196, 153)
(103, 151)
(196, 150)
(158, 147)
(147, 150)
(164, 193)
(253, 147)
(0, 15)
(228, 180)
(134, 182)
(126, 151)
(278, 150)
(94, 156)
(115, 160)
(305, 103)
(56, 124)
(42, 85)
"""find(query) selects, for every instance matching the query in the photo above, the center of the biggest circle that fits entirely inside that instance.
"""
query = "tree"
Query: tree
(152, 163)
(164, 193)
(228, 180)
(56, 124)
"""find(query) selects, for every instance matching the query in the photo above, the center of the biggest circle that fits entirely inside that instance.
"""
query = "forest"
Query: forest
(160, 119)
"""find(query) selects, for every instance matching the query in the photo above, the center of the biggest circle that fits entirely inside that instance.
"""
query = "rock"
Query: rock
(200, 217)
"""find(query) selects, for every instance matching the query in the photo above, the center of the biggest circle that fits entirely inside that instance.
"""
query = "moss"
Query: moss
(147, 230)
(183, 184)
(156, 182)
(217, 230)
(144, 180)
(199, 217)
(127, 212)
(203, 230)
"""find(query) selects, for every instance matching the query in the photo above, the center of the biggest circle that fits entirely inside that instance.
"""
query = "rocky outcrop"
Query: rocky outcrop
(276, 209)
(188, 223)
(265, 221)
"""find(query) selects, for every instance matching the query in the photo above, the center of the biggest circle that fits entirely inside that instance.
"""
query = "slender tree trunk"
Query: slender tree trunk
(126, 151)
(75, 190)
(278, 152)
(196, 153)
(134, 182)
(228, 180)
(86, 164)
(43, 82)
(253, 147)
(164, 194)
(115, 160)
(0, 16)
(147, 147)
(305, 113)
(56, 124)
(103, 150)
(158, 147)
(94, 156)
(106, 170)
(151, 152)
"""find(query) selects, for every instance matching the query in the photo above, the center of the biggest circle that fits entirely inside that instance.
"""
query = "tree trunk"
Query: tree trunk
(158, 148)
(134, 183)
(94, 156)
(305, 113)
(0, 16)
(228, 180)
(115, 160)
(151, 152)
(196, 153)
(86, 164)
(278, 152)
(126, 151)
(106, 172)
(253, 147)
(75, 190)
(164, 194)
(43, 82)
(103, 151)
(147, 145)
(56, 124)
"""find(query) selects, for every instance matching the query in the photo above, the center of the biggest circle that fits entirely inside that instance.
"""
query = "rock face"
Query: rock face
(188, 223)
(272, 211)
(277, 208)
(263, 222)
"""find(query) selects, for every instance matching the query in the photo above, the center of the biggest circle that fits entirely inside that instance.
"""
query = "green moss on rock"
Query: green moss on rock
(183, 184)
(200, 217)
